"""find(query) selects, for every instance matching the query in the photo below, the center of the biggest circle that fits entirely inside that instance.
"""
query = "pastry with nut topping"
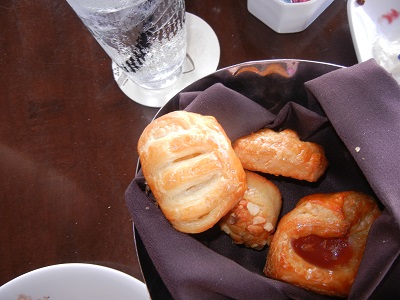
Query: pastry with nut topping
(253, 219)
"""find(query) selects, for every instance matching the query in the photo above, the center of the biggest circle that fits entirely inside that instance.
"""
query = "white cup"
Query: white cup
(285, 17)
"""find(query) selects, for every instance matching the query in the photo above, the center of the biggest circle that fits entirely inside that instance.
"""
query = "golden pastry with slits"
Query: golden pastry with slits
(191, 169)
(320, 243)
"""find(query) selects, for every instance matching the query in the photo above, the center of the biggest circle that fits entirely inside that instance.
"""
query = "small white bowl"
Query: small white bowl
(287, 17)
(74, 281)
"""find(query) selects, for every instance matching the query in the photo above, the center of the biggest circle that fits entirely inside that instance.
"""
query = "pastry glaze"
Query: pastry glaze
(191, 169)
(253, 219)
(281, 153)
(320, 243)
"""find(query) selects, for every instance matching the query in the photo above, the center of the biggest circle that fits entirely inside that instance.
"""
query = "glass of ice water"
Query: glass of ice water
(145, 38)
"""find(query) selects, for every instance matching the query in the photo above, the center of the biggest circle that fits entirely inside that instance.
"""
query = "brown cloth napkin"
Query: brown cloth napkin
(355, 114)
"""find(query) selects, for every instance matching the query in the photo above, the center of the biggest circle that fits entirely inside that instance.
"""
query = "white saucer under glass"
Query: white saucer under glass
(202, 58)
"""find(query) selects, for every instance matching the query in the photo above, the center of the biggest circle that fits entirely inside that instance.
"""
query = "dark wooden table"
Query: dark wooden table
(68, 134)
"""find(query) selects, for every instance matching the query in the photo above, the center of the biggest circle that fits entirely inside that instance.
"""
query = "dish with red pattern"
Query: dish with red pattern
(375, 30)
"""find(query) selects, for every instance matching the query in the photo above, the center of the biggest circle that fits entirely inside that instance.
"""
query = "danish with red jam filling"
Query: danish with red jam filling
(320, 243)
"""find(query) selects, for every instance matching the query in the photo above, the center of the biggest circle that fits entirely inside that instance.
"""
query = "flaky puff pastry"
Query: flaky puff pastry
(320, 243)
(254, 218)
(191, 169)
(281, 153)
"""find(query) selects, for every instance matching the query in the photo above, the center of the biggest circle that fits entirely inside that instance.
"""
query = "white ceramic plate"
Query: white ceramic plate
(74, 281)
(375, 30)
